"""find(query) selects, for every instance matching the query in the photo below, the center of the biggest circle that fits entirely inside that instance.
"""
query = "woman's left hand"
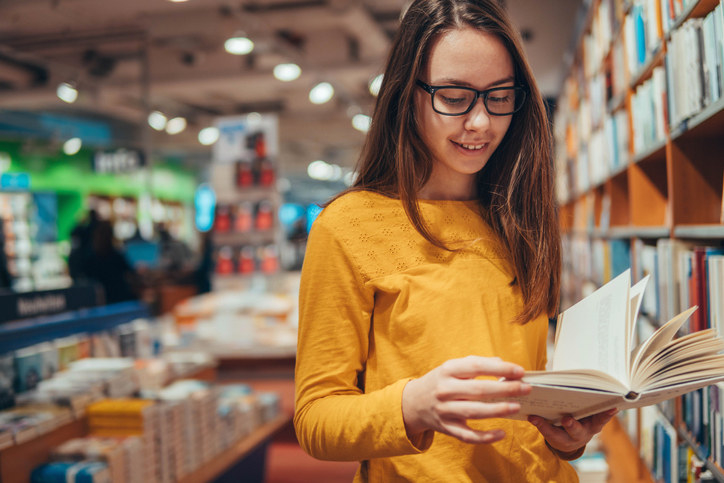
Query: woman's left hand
(573, 434)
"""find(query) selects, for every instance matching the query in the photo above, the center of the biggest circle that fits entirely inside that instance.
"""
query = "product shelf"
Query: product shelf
(23, 333)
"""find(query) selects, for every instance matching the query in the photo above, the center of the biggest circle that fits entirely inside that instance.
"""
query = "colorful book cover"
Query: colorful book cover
(28, 369)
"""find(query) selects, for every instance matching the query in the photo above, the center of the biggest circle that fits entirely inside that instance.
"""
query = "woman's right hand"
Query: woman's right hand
(446, 397)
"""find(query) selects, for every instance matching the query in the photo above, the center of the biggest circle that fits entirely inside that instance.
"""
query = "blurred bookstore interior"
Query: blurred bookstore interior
(162, 163)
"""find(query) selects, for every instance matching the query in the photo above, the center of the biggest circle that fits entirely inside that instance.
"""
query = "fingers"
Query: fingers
(462, 410)
(473, 366)
(482, 389)
(466, 434)
(576, 431)
(572, 434)
(550, 433)
(598, 421)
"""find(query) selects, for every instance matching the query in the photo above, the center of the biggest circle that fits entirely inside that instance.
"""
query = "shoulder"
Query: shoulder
(356, 209)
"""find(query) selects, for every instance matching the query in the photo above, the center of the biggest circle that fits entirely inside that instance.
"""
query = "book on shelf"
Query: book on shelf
(596, 366)
(700, 283)
(715, 287)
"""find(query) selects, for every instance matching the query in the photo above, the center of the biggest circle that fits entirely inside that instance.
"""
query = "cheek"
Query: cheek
(503, 127)
(427, 122)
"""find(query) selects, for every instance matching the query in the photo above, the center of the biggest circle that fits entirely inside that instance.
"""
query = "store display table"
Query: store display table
(243, 461)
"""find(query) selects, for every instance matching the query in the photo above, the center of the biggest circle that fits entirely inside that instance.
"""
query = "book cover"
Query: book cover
(28, 369)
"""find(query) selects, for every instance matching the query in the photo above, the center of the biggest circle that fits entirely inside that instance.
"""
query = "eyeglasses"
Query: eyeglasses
(458, 100)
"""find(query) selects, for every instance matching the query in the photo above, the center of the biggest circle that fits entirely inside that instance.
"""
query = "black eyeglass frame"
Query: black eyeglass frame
(484, 94)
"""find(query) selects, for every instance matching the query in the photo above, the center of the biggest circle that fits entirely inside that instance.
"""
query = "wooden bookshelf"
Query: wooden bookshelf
(670, 184)
(625, 466)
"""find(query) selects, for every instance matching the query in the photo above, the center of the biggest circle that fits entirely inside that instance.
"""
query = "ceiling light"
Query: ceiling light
(321, 93)
(349, 178)
(157, 120)
(176, 125)
(239, 45)
(66, 92)
(72, 146)
(337, 173)
(208, 135)
(320, 170)
(361, 122)
(375, 85)
(287, 72)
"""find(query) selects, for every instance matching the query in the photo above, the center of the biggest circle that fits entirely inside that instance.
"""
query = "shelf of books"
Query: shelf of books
(639, 135)
(90, 395)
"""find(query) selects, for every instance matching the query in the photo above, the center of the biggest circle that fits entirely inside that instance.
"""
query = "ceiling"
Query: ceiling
(111, 48)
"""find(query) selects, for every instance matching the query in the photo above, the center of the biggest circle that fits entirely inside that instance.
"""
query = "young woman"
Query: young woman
(431, 280)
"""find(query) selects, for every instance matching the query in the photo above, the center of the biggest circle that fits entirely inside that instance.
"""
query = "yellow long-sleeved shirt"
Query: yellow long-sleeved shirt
(379, 305)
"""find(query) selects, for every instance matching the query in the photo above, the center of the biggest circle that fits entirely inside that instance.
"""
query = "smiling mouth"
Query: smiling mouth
(471, 147)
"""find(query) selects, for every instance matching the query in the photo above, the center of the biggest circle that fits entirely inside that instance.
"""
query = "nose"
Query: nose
(478, 118)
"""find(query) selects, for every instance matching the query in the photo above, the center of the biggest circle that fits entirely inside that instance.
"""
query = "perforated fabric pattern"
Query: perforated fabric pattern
(396, 246)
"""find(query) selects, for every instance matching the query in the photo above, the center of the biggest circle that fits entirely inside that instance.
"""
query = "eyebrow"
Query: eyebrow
(457, 82)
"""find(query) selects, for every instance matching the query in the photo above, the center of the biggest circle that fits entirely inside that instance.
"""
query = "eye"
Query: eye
(452, 100)
(499, 99)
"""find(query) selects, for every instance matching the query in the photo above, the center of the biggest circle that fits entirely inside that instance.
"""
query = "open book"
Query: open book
(595, 366)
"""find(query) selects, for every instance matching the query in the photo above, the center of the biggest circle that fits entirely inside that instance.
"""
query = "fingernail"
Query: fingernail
(534, 421)
(567, 422)
(513, 407)
(525, 387)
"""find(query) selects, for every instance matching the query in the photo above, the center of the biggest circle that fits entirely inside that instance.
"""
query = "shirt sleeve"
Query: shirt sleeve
(334, 419)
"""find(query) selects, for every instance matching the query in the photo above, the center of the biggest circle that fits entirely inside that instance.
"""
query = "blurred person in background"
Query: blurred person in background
(175, 255)
(106, 265)
(81, 246)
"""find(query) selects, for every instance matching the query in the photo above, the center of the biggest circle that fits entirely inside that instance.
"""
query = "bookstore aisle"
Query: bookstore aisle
(639, 135)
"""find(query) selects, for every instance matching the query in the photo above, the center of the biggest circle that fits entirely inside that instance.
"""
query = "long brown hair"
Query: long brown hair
(515, 189)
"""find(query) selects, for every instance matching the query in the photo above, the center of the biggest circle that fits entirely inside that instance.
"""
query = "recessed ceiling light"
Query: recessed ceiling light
(287, 72)
(209, 135)
(176, 125)
(239, 45)
(361, 122)
(157, 120)
(375, 85)
(72, 146)
(67, 92)
(321, 93)
(320, 170)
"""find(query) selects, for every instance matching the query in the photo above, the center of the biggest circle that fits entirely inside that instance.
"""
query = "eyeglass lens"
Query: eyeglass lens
(448, 100)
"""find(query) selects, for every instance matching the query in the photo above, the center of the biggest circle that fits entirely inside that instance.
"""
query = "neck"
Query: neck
(461, 188)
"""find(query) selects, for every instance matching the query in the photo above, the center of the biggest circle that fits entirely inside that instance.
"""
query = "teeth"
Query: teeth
(474, 148)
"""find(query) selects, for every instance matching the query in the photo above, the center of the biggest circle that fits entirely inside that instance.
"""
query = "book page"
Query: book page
(660, 338)
(686, 348)
(552, 403)
(589, 379)
(593, 332)
(670, 392)
(637, 295)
